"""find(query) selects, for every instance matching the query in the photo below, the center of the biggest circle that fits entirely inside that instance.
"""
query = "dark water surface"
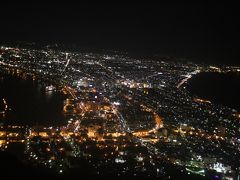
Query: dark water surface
(221, 88)
(30, 103)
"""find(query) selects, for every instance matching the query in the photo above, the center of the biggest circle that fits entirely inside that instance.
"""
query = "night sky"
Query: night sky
(199, 30)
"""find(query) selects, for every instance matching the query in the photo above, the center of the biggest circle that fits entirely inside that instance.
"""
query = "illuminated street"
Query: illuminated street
(135, 116)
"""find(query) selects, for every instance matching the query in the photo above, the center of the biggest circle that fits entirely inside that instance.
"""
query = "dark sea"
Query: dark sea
(29, 103)
(220, 88)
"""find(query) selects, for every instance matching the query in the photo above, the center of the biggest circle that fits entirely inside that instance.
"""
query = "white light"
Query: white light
(118, 160)
(116, 103)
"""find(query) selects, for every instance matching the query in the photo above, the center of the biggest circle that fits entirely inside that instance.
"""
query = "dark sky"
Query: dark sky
(176, 28)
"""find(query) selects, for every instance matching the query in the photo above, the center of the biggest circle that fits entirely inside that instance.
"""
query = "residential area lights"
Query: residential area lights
(133, 116)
